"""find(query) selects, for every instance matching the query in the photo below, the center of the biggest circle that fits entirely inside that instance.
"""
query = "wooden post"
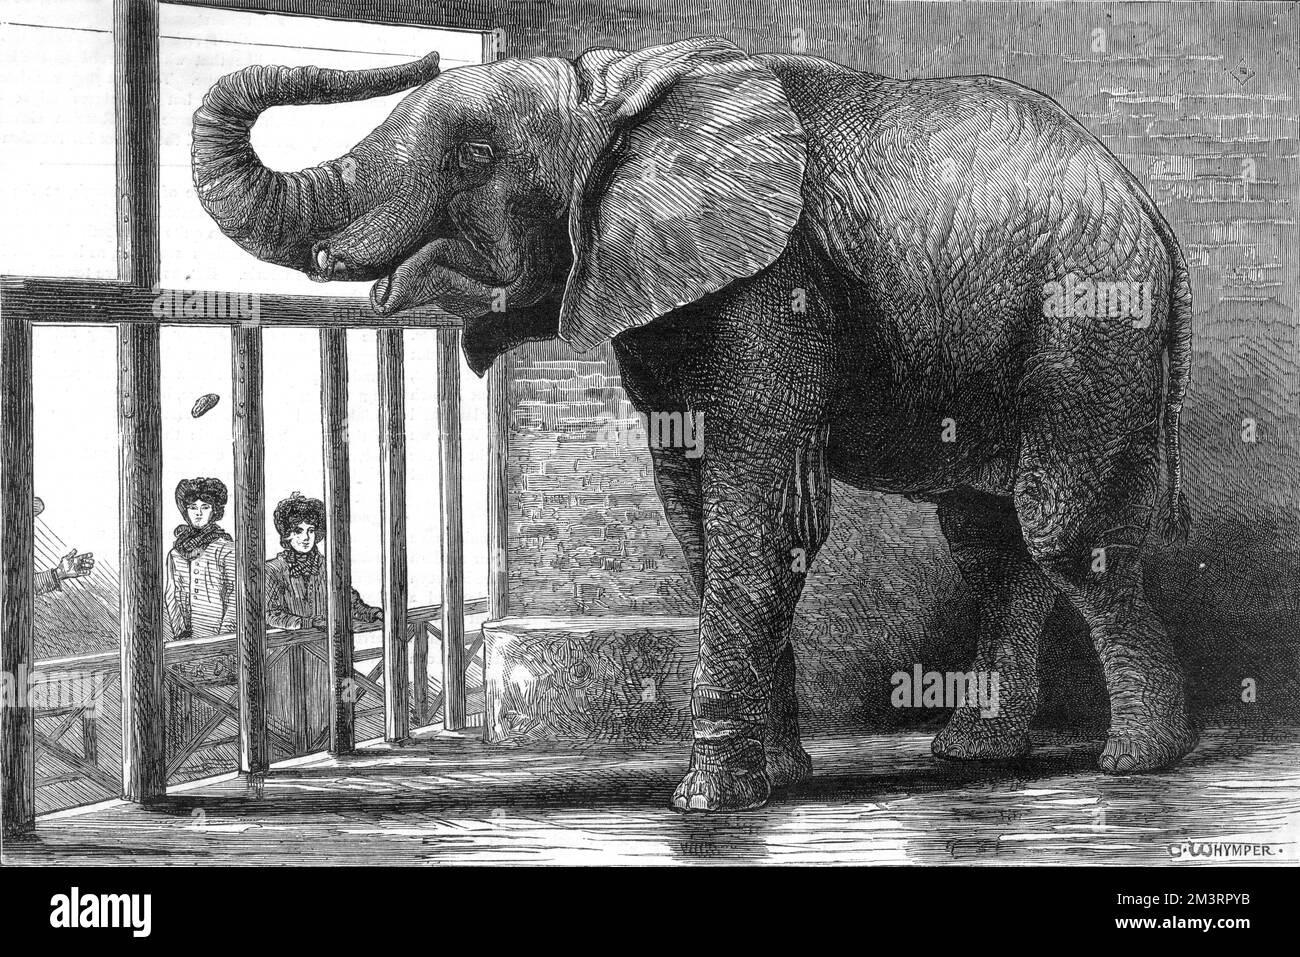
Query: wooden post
(498, 508)
(338, 551)
(135, 60)
(139, 415)
(139, 424)
(420, 675)
(392, 501)
(250, 545)
(300, 691)
(17, 538)
(491, 45)
(498, 529)
(453, 546)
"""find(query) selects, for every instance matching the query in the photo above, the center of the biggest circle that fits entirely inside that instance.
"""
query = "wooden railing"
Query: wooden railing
(77, 703)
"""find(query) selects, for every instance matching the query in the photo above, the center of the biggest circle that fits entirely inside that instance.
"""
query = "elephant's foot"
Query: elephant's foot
(787, 763)
(1149, 726)
(1148, 745)
(721, 791)
(970, 737)
(724, 776)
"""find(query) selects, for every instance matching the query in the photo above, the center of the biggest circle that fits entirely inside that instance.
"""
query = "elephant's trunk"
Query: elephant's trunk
(277, 216)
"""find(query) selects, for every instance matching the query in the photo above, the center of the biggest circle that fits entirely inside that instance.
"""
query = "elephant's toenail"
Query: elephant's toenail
(322, 259)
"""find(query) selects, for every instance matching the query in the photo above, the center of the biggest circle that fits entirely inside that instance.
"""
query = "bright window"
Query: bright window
(57, 153)
(198, 46)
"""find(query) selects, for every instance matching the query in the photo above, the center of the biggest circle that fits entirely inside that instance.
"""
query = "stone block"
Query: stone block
(623, 680)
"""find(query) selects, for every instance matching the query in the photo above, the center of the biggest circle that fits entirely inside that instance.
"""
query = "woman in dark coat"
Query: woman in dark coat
(295, 579)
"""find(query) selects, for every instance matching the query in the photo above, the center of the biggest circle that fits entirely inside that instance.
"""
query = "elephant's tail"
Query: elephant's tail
(1179, 332)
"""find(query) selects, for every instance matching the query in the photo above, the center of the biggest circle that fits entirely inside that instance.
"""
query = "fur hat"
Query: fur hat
(296, 509)
(210, 490)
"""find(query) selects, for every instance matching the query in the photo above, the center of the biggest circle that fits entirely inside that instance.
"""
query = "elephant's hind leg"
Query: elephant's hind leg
(1085, 503)
(1014, 600)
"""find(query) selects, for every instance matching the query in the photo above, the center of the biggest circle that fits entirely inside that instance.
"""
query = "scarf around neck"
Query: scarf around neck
(303, 566)
(190, 541)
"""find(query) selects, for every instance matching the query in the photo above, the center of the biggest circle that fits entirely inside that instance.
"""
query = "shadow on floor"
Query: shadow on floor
(873, 799)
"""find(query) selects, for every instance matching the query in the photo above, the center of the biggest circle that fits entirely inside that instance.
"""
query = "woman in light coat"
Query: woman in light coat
(200, 570)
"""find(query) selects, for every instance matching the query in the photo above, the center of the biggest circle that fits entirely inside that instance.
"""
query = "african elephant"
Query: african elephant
(941, 288)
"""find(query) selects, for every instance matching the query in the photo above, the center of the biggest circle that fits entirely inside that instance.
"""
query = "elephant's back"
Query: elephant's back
(935, 198)
(942, 209)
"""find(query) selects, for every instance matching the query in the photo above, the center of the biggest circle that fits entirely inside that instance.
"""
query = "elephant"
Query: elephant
(945, 289)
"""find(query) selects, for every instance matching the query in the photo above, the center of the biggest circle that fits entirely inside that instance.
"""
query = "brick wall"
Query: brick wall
(1200, 101)
(588, 535)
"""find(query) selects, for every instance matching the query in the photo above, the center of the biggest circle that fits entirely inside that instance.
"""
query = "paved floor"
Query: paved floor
(874, 799)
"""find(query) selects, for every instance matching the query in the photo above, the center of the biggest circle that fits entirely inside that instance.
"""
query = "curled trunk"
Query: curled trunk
(277, 216)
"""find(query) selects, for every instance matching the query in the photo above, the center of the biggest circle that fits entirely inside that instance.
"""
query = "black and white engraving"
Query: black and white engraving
(876, 418)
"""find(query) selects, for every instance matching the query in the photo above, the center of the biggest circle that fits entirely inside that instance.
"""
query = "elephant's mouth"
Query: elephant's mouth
(419, 278)
(423, 279)
(468, 272)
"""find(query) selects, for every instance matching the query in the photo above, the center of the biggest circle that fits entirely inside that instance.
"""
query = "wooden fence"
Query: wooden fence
(228, 691)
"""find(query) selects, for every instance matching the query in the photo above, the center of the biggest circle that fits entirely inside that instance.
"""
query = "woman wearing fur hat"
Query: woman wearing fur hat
(296, 591)
(200, 582)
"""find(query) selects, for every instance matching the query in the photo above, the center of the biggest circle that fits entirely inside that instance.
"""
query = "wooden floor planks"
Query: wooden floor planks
(874, 799)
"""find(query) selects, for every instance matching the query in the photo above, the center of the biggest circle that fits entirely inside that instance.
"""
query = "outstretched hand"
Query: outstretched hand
(73, 565)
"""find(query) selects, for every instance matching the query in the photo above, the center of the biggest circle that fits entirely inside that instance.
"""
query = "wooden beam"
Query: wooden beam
(493, 44)
(392, 503)
(498, 385)
(17, 536)
(498, 514)
(250, 545)
(139, 410)
(420, 675)
(105, 301)
(338, 551)
(452, 538)
(135, 60)
(139, 424)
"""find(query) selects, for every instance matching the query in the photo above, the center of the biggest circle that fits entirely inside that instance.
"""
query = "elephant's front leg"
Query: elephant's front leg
(678, 478)
(765, 515)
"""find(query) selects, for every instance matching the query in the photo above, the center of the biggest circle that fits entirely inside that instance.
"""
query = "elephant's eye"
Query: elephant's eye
(475, 154)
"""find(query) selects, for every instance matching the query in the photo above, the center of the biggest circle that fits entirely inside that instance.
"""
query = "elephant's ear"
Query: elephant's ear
(696, 184)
